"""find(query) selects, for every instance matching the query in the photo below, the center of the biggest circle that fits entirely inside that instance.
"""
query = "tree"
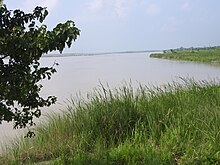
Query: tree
(23, 41)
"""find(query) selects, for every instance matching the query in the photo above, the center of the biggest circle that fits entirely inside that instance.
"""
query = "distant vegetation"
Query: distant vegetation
(173, 124)
(102, 53)
(206, 54)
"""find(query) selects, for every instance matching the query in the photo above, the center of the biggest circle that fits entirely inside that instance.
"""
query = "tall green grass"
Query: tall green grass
(172, 124)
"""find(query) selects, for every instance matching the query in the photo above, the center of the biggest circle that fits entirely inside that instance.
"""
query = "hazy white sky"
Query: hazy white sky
(121, 25)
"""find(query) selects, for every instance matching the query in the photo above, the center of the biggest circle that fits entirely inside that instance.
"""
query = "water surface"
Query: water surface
(84, 73)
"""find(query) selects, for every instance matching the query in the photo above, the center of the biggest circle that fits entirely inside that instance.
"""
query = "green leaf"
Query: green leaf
(24, 43)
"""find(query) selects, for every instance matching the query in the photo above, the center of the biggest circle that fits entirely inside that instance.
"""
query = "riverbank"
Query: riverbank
(211, 55)
(173, 124)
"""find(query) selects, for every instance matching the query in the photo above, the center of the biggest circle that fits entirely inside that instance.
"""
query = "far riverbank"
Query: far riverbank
(208, 55)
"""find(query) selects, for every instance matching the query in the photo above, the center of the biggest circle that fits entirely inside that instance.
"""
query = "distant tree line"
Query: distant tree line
(191, 49)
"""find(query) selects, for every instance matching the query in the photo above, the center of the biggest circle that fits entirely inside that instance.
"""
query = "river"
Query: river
(81, 74)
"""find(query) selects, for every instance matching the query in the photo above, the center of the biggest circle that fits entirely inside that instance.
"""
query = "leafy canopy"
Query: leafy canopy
(23, 41)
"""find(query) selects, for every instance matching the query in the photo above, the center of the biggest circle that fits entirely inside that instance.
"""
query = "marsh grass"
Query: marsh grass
(199, 55)
(172, 124)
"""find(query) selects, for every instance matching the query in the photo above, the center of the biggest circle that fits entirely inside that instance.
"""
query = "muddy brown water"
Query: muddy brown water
(81, 74)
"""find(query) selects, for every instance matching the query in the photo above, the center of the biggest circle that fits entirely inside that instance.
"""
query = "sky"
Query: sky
(133, 25)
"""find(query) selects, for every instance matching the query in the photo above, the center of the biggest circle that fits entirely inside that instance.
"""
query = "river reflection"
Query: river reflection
(84, 73)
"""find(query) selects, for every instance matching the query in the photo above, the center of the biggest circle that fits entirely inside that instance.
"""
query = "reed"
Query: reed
(178, 123)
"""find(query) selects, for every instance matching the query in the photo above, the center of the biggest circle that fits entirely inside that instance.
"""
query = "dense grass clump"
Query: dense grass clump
(173, 124)
(211, 55)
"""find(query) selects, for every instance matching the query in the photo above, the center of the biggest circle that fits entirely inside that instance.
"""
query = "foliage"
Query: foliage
(23, 41)
(174, 124)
